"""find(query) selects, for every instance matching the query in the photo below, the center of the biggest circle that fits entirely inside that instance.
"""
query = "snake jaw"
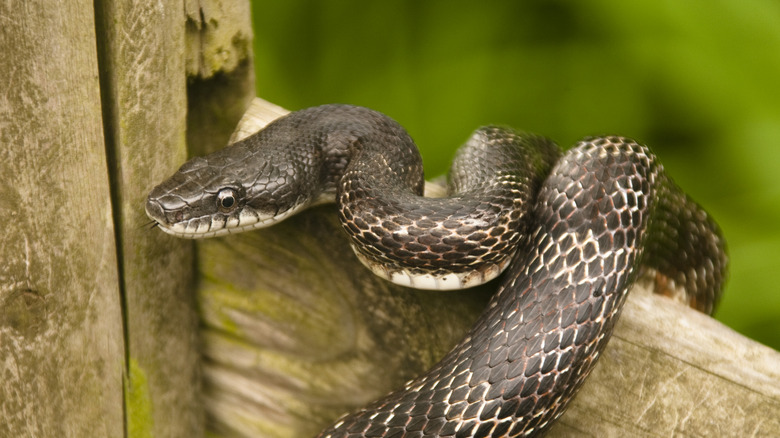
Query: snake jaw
(214, 225)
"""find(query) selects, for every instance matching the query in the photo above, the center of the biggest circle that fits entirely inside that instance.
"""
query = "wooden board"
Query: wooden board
(61, 341)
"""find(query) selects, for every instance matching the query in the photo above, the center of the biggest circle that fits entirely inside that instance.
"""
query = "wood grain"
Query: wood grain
(98, 325)
(61, 342)
(145, 104)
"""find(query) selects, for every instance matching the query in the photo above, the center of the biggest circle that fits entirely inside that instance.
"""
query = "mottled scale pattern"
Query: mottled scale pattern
(575, 231)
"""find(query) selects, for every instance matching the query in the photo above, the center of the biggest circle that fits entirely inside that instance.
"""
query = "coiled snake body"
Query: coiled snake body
(574, 231)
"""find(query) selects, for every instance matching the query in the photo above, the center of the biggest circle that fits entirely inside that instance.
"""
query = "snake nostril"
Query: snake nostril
(154, 210)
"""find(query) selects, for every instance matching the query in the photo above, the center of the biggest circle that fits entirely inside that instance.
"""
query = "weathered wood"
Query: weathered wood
(74, 262)
(219, 36)
(61, 343)
(297, 332)
(672, 371)
(289, 320)
(221, 76)
(142, 46)
(148, 51)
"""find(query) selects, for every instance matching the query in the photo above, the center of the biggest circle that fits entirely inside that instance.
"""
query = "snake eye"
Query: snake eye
(227, 200)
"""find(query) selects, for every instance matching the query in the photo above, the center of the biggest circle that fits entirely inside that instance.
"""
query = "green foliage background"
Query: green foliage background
(697, 80)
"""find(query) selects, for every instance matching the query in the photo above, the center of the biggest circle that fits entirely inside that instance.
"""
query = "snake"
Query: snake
(570, 232)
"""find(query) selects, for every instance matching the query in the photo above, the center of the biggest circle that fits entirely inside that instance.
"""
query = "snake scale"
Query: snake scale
(572, 231)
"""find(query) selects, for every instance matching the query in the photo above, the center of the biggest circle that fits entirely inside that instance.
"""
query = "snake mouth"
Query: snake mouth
(213, 225)
(170, 222)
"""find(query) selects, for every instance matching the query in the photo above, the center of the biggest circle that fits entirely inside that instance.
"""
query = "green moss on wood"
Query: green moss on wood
(138, 402)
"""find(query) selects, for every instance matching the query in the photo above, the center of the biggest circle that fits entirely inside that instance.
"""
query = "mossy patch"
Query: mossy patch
(138, 403)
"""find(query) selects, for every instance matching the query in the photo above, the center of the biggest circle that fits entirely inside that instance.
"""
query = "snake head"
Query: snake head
(229, 191)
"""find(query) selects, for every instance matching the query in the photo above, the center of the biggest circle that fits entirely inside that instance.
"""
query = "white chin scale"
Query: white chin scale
(245, 221)
(447, 281)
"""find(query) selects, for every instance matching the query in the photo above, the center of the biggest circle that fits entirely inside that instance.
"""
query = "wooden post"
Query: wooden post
(143, 80)
(61, 341)
(98, 323)
(297, 332)
(148, 51)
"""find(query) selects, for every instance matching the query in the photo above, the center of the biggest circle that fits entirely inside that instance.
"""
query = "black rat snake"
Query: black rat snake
(573, 230)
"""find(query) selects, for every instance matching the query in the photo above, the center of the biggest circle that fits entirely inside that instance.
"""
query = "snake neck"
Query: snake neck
(338, 134)
(296, 161)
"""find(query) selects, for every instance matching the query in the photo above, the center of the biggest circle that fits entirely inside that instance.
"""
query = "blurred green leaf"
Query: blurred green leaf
(696, 80)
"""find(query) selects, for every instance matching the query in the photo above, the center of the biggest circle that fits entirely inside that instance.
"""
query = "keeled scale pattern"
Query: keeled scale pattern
(686, 247)
(493, 182)
(554, 312)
